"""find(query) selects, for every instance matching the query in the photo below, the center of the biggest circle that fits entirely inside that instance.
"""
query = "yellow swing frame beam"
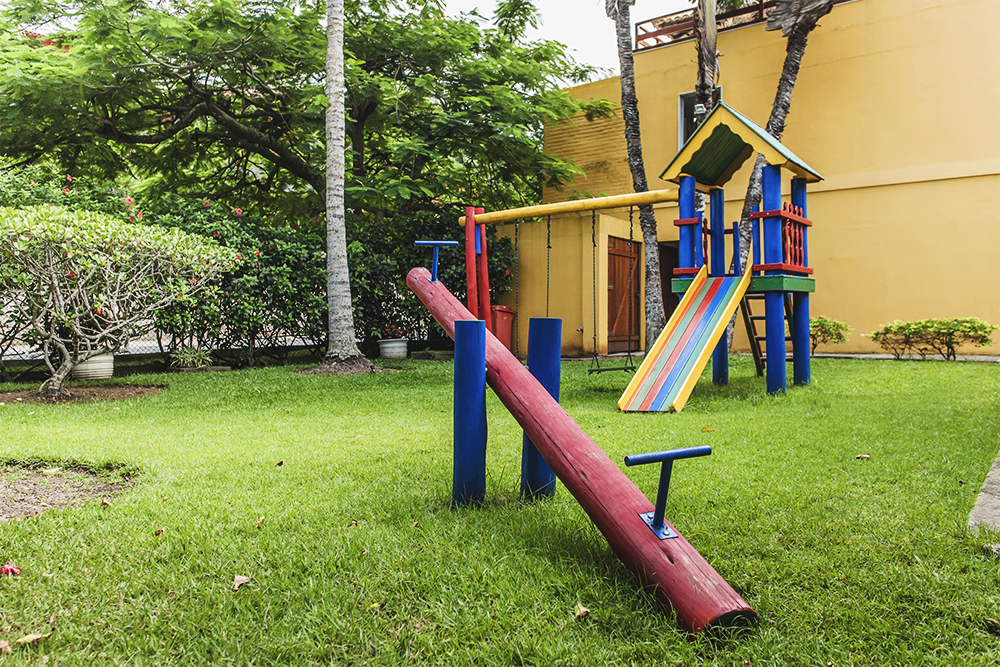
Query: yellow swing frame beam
(576, 206)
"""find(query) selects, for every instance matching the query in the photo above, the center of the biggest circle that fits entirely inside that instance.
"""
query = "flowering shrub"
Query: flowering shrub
(274, 293)
(85, 282)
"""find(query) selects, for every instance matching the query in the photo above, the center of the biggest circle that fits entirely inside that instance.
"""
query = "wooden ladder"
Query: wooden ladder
(758, 341)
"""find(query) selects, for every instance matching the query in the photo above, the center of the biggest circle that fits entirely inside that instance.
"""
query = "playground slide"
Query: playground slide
(672, 367)
(669, 568)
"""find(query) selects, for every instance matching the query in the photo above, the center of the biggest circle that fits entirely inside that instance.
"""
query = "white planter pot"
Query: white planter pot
(392, 348)
(96, 368)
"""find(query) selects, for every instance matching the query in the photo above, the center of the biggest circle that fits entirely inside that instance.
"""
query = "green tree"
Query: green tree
(226, 99)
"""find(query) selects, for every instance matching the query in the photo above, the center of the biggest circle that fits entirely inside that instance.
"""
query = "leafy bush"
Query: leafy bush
(943, 336)
(85, 282)
(823, 331)
(33, 186)
(190, 357)
(275, 293)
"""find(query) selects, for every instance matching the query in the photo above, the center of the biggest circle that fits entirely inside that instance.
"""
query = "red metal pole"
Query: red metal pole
(472, 291)
(671, 569)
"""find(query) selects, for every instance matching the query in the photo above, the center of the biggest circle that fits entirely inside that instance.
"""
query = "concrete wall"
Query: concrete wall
(897, 105)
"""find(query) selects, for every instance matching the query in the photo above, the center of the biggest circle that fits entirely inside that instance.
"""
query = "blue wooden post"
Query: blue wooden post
(469, 478)
(801, 373)
(685, 209)
(774, 302)
(718, 268)
(544, 350)
(699, 246)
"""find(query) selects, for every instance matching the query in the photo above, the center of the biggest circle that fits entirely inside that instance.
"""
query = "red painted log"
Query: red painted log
(671, 569)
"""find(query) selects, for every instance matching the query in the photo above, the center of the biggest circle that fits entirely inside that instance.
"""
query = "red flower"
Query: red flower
(256, 253)
(238, 211)
(205, 203)
(216, 235)
(128, 200)
(65, 191)
(69, 178)
(139, 215)
(131, 219)
(238, 257)
(9, 569)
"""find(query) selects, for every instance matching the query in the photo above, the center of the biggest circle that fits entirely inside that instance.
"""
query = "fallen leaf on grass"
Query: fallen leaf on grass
(279, 463)
(239, 581)
(5, 646)
(708, 430)
(158, 531)
(33, 637)
(580, 610)
(862, 456)
(353, 524)
(259, 521)
(415, 524)
(105, 502)
(9, 569)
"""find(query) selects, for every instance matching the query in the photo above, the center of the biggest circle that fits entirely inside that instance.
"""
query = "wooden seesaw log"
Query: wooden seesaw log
(671, 569)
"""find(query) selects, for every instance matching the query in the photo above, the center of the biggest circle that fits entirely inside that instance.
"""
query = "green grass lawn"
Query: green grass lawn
(847, 561)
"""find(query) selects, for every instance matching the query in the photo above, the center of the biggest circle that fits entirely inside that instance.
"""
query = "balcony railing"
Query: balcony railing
(679, 26)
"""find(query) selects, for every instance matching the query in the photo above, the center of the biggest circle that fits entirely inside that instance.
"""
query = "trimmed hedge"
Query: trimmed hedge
(943, 336)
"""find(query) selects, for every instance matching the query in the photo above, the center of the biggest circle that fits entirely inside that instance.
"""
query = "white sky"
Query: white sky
(580, 24)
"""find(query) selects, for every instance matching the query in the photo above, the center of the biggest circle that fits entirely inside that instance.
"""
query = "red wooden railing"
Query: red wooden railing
(794, 257)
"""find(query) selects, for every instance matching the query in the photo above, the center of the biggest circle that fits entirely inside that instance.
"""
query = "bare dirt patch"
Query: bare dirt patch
(25, 492)
(82, 394)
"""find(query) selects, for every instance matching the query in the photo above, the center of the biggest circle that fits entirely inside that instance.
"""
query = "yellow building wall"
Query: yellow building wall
(897, 105)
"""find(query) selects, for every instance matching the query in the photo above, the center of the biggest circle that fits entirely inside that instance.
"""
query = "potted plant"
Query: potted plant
(190, 359)
(393, 344)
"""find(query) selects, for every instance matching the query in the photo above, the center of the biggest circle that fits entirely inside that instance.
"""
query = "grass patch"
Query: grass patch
(359, 560)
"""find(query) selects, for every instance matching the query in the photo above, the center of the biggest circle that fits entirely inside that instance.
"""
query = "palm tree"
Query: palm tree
(796, 19)
(342, 348)
(618, 11)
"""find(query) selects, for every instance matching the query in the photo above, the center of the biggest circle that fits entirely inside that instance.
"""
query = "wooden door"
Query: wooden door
(624, 260)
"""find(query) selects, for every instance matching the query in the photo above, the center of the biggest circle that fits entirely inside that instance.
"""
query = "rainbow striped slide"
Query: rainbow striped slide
(671, 368)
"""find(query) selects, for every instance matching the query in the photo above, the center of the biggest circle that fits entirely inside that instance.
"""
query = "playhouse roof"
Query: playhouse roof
(723, 143)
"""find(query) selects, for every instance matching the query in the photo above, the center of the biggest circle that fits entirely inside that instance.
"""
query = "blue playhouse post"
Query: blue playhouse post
(781, 272)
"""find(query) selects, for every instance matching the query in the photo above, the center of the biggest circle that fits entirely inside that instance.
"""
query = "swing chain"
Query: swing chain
(548, 259)
(517, 288)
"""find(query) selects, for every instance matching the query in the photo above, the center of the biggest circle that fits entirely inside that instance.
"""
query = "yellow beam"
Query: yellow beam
(597, 203)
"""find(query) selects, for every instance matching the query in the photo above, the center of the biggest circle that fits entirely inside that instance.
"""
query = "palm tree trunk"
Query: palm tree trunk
(795, 49)
(655, 320)
(342, 344)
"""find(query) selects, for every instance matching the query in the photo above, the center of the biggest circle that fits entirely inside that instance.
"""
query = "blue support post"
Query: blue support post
(544, 352)
(755, 227)
(717, 227)
(469, 478)
(771, 231)
(685, 209)
(699, 244)
(774, 302)
(801, 373)
(737, 246)
(718, 268)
